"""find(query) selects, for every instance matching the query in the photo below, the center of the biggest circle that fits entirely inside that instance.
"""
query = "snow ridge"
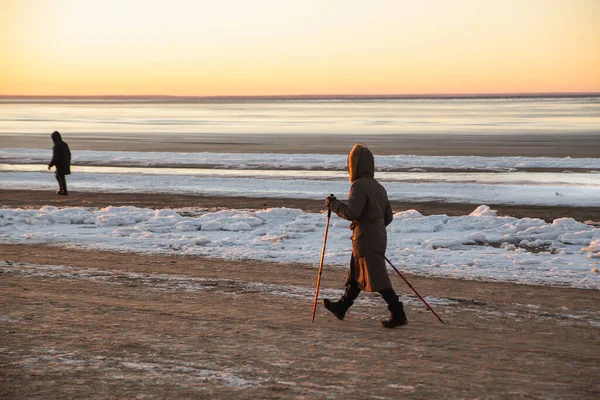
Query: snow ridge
(479, 246)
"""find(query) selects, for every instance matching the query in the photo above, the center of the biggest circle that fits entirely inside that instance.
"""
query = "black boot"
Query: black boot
(398, 317)
(339, 308)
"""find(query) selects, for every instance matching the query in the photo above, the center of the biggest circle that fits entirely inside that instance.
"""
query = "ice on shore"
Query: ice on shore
(294, 161)
(304, 176)
(480, 246)
(471, 189)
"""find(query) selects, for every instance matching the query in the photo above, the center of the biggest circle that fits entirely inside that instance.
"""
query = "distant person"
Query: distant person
(369, 210)
(61, 159)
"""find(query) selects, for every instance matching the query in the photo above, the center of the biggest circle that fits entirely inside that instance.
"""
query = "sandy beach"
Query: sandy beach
(92, 324)
(127, 325)
(38, 198)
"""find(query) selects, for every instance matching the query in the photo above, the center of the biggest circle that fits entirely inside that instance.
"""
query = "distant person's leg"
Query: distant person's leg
(60, 189)
(64, 184)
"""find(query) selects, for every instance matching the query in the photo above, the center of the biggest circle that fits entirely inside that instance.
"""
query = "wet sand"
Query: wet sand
(492, 145)
(38, 198)
(118, 325)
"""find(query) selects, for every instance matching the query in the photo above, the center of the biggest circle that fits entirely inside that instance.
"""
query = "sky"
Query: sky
(298, 47)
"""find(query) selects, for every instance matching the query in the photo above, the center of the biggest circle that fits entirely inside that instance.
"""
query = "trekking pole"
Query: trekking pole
(413, 289)
(321, 263)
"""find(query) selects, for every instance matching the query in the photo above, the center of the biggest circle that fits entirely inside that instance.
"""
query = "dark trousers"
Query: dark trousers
(352, 291)
(62, 182)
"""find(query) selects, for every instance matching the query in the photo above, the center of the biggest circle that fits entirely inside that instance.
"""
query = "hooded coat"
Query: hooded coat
(61, 155)
(369, 210)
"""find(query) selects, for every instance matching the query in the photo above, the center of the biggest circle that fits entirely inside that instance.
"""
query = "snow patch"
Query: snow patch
(476, 246)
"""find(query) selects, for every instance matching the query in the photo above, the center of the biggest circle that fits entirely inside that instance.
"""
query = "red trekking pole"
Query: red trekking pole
(321, 263)
(413, 289)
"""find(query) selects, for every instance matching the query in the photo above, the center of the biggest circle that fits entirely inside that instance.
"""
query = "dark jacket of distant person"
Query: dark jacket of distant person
(369, 210)
(61, 155)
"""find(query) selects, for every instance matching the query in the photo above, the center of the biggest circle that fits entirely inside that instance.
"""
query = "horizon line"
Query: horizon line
(309, 96)
(178, 99)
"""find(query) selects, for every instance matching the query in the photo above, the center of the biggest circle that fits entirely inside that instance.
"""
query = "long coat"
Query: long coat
(61, 155)
(369, 210)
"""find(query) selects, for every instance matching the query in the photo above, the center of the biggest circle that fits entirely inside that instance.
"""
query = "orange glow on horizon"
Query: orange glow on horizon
(268, 47)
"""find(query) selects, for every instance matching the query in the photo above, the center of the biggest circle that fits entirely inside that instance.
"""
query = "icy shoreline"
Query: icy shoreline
(465, 190)
(480, 246)
(296, 161)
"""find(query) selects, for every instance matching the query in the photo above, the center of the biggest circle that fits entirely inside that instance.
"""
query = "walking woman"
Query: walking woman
(369, 210)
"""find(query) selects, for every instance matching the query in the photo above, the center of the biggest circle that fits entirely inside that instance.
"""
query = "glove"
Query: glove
(330, 199)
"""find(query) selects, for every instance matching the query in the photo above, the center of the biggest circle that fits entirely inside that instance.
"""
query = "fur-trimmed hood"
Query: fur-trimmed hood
(361, 163)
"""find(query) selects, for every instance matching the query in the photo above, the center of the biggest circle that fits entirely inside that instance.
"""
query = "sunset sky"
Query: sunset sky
(298, 47)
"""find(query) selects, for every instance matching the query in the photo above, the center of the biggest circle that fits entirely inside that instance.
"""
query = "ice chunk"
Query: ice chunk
(483, 211)
(237, 226)
(593, 246)
(475, 237)
(408, 214)
(569, 224)
(188, 225)
(212, 226)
